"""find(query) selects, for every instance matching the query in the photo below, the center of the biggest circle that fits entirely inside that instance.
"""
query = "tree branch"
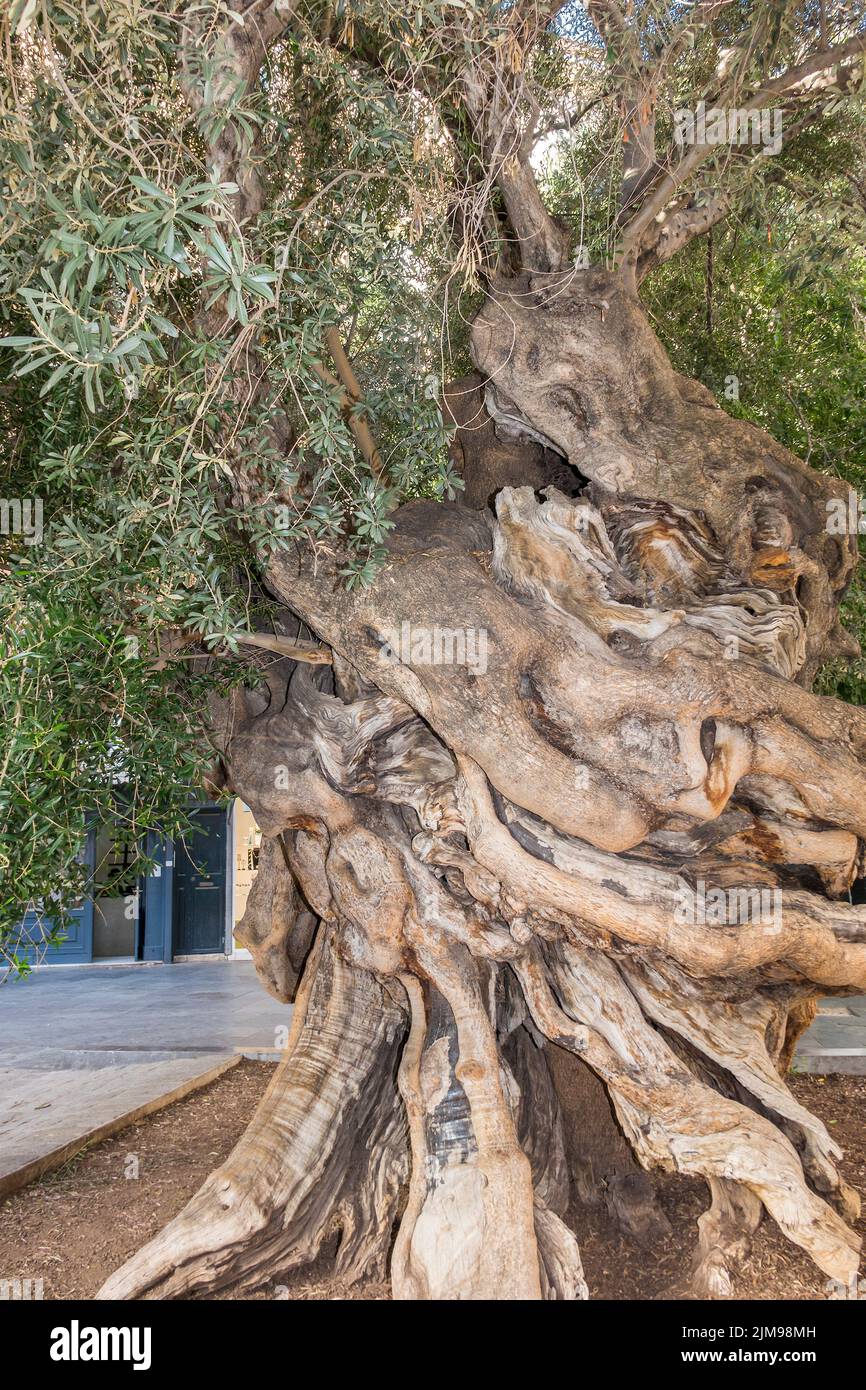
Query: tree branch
(350, 397)
(635, 232)
(687, 221)
(492, 96)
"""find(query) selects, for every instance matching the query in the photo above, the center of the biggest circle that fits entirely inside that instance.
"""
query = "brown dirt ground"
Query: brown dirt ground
(79, 1223)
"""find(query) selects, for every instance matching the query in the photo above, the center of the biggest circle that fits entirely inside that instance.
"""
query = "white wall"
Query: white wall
(244, 839)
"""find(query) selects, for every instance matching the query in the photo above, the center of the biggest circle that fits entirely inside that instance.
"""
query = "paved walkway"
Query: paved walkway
(836, 1042)
(83, 1047)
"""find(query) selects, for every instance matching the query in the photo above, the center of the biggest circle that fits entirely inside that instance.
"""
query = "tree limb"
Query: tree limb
(665, 187)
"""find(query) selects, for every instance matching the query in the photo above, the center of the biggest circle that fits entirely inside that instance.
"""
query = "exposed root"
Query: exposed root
(471, 1234)
(801, 1017)
(560, 1264)
(672, 1119)
(724, 1237)
(287, 1185)
(734, 1036)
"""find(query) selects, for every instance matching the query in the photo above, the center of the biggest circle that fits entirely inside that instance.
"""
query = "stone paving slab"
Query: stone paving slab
(47, 1116)
(834, 1032)
(85, 1051)
(836, 1041)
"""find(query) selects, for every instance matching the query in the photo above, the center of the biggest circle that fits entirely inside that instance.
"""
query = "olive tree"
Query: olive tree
(372, 493)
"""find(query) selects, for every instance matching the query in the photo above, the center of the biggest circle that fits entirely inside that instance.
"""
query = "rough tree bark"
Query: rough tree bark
(485, 863)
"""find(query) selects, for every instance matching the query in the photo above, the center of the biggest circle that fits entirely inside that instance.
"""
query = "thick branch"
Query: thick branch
(665, 187)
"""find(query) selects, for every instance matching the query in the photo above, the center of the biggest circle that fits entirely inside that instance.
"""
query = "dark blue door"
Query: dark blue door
(200, 886)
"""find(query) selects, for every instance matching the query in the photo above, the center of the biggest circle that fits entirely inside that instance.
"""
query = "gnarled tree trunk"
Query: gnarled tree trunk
(548, 829)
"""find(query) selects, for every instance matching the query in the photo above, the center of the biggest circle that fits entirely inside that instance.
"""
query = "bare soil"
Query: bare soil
(79, 1223)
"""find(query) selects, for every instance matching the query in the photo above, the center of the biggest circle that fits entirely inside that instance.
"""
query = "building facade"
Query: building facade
(188, 906)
